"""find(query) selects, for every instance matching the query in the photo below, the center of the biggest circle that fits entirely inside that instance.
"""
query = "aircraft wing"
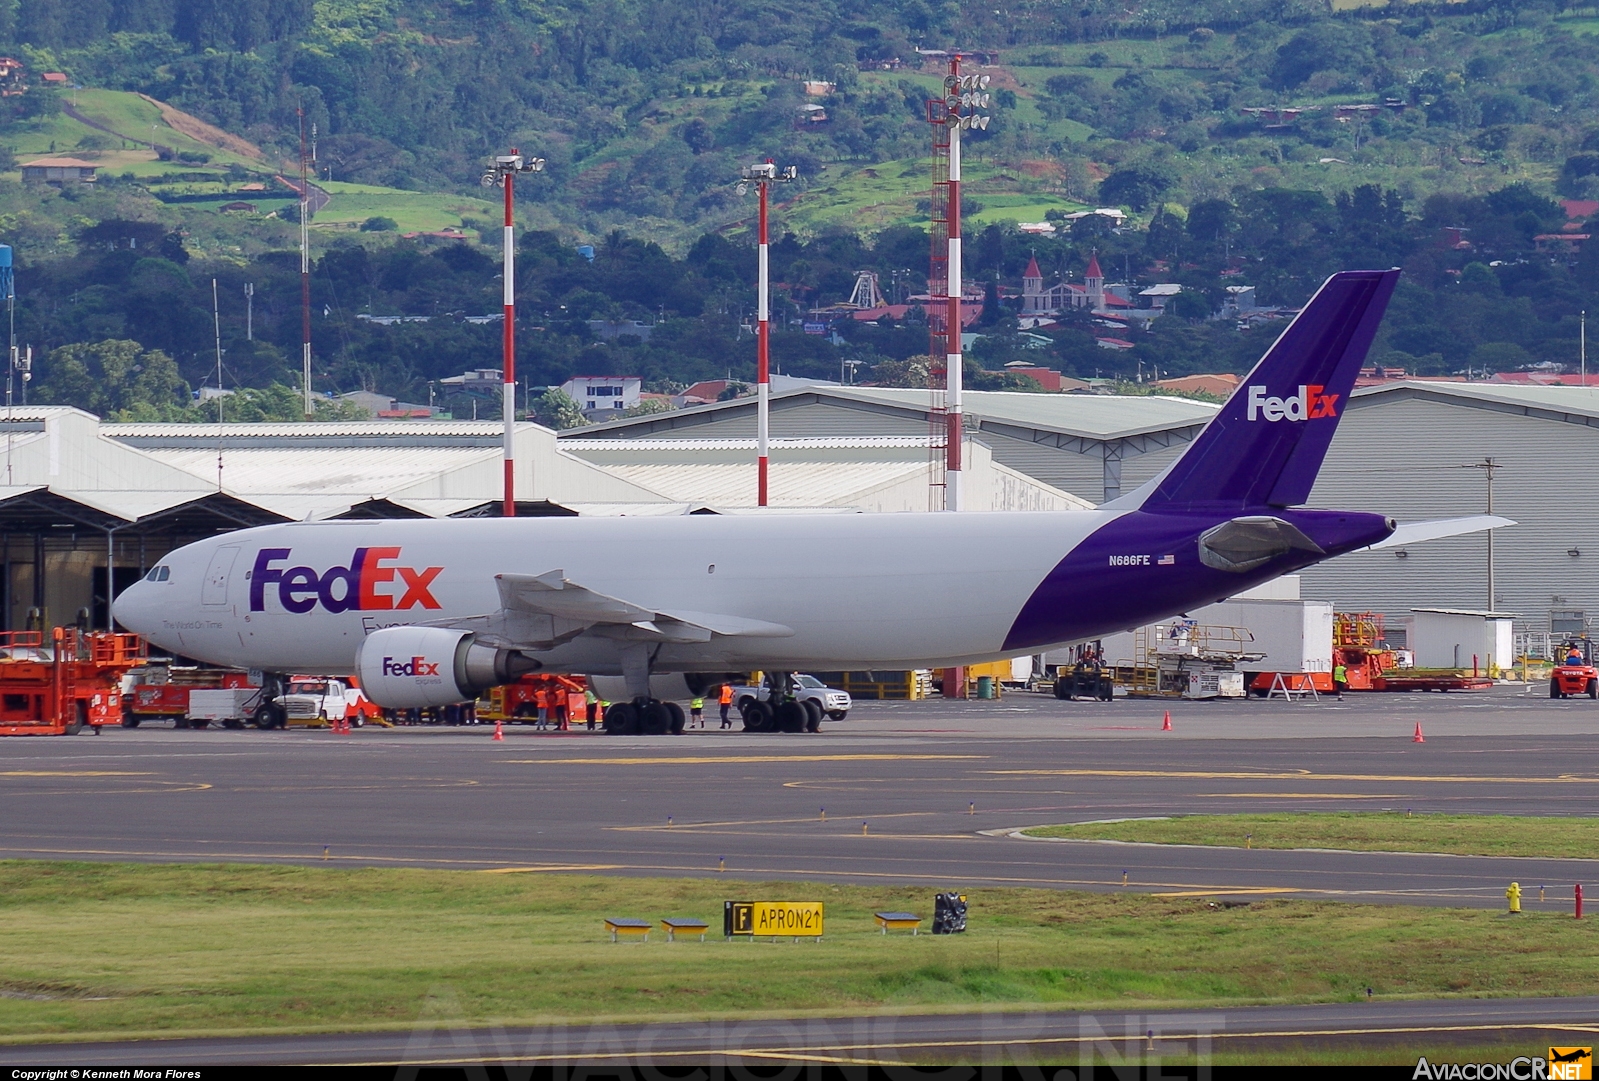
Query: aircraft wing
(1436, 528)
(541, 611)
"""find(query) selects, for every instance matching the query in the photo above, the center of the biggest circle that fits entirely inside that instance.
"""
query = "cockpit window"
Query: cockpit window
(159, 574)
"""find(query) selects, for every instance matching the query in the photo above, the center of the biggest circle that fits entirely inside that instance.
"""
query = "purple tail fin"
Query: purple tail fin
(1266, 445)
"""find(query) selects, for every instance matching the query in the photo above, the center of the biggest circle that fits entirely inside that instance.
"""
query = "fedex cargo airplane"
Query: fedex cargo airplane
(433, 612)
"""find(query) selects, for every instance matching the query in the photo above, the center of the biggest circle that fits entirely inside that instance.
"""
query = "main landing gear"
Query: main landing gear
(644, 717)
(790, 713)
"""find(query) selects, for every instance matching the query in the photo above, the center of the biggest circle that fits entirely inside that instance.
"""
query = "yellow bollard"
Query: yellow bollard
(863, 829)
(1513, 895)
(1124, 878)
(1249, 840)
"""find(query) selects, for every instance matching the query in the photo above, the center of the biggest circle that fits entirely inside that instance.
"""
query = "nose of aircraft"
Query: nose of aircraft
(135, 608)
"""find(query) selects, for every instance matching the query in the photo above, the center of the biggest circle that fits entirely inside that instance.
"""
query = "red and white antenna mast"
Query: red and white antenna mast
(762, 176)
(305, 271)
(503, 172)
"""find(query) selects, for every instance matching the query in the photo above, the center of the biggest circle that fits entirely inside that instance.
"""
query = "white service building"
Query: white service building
(600, 395)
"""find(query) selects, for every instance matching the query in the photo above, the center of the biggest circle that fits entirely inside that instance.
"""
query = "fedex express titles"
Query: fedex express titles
(372, 582)
(1311, 403)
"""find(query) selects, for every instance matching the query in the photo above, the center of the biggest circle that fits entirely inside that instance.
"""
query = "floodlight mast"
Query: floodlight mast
(963, 96)
(503, 172)
(305, 274)
(761, 176)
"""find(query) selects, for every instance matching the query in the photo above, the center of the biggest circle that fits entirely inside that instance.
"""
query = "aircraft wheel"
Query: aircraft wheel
(655, 719)
(813, 715)
(757, 717)
(790, 717)
(269, 715)
(622, 719)
(678, 720)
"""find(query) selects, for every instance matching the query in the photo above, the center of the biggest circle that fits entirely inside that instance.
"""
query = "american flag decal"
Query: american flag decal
(1166, 561)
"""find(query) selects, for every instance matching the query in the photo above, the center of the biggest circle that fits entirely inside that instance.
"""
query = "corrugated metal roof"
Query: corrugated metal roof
(1573, 401)
(362, 472)
(388, 433)
(583, 447)
(1089, 416)
(1096, 416)
(801, 484)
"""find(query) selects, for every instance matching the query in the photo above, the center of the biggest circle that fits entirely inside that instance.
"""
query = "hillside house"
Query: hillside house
(604, 393)
(59, 170)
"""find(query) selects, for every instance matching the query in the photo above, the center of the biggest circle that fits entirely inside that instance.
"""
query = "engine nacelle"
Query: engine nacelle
(419, 667)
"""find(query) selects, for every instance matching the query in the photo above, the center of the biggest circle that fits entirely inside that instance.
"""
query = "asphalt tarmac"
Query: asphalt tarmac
(1530, 1026)
(929, 793)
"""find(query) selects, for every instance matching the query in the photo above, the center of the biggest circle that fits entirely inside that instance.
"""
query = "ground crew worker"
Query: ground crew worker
(726, 702)
(696, 712)
(592, 705)
(1574, 657)
(1340, 678)
(541, 701)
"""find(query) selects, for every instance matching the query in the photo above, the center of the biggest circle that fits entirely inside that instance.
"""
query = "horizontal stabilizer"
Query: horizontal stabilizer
(1437, 528)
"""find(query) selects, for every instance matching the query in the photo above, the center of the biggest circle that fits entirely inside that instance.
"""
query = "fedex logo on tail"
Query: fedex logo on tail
(1311, 403)
(371, 582)
(416, 666)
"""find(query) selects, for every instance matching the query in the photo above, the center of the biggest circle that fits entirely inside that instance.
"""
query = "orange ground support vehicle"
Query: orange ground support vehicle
(1569, 679)
(515, 701)
(161, 692)
(59, 689)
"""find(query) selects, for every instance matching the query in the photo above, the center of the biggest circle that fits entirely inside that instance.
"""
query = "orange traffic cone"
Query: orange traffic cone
(1165, 725)
(499, 731)
(1418, 737)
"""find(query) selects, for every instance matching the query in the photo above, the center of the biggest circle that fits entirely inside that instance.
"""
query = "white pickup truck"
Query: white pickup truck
(315, 701)
(835, 703)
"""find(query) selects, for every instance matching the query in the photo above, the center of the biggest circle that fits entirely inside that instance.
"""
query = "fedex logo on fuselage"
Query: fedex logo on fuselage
(416, 666)
(1311, 403)
(367, 584)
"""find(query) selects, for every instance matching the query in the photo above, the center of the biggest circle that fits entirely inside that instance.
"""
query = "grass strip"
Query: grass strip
(1457, 834)
(133, 950)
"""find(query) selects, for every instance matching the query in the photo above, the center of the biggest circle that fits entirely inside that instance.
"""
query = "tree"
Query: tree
(1137, 186)
(555, 409)
(1344, 48)
(107, 377)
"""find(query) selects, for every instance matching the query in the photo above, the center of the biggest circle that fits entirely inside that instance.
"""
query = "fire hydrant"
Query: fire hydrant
(1513, 895)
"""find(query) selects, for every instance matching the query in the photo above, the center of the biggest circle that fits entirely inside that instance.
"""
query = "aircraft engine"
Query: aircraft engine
(419, 667)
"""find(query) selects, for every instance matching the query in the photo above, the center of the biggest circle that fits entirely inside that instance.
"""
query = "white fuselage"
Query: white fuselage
(858, 590)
